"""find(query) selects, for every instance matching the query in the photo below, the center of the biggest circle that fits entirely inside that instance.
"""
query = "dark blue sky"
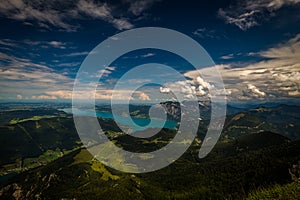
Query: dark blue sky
(255, 45)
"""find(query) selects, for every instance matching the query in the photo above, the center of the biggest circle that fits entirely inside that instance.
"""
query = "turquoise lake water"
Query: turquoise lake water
(142, 123)
(7, 176)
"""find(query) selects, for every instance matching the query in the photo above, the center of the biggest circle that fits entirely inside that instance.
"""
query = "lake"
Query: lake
(142, 123)
(7, 176)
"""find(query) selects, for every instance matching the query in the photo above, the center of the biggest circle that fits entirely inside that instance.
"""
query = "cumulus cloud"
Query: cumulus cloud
(191, 88)
(164, 90)
(57, 13)
(19, 96)
(144, 97)
(255, 91)
(202, 83)
(276, 77)
(246, 14)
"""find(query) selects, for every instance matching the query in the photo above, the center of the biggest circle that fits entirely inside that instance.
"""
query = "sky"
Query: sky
(255, 45)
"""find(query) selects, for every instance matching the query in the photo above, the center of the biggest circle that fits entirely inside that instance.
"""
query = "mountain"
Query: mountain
(173, 109)
(30, 142)
(283, 119)
(37, 141)
(234, 169)
(42, 157)
(13, 116)
(34, 137)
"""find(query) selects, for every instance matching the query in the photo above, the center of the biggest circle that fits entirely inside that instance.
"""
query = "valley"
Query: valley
(257, 149)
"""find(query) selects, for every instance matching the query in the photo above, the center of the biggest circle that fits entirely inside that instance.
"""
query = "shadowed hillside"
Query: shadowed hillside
(232, 170)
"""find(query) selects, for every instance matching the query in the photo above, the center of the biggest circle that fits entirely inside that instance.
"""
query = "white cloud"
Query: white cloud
(148, 55)
(71, 64)
(255, 90)
(111, 68)
(276, 77)
(8, 43)
(137, 81)
(164, 89)
(94, 10)
(102, 11)
(246, 14)
(144, 97)
(43, 14)
(195, 86)
(105, 72)
(289, 50)
(19, 96)
(203, 83)
(60, 94)
(58, 13)
(101, 94)
(208, 33)
(74, 54)
(25, 43)
(57, 44)
(137, 7)
(23, 77)
(44, 97)
(295, 93)
(122, 24)
(227, 57)
(17, 62)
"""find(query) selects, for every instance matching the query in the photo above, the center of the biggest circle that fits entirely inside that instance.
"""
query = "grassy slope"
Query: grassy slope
(278, 192)
(33, 138)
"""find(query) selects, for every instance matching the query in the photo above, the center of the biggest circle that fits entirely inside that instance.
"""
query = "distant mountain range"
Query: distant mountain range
(282, 119)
